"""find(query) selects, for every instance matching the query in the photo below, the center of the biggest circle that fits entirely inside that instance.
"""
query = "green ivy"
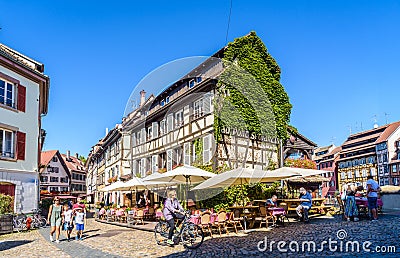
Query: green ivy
(267, 94)
(6, 204)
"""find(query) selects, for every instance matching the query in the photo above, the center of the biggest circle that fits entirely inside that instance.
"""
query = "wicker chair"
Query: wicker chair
(265, 217)
(234, 221)
(139, 217)
(221, 221)
(205, 221)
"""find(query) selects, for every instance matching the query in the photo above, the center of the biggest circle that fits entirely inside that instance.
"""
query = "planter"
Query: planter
(6, 223)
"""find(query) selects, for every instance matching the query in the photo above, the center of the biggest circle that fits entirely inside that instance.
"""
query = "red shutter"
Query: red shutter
(21, 137)
(21, 98)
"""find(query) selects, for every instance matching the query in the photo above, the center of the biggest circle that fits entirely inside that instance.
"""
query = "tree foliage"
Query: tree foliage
(6, 204)
(300, 163)
(250, 53)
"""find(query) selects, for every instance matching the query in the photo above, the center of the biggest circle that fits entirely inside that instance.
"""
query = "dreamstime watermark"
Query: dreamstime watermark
(338, 244)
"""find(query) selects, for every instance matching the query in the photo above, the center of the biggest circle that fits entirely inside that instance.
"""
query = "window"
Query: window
(394, 168)
(64, 189)
(191, 83)
(357, 173)
(6, 143)
(44, 188)
(64, 179)
(395, 181)
(162, 103)
(53, 179)
(179, 118)
(149, 133)
(44, 179)
(342, 175)
(162, 127)
(167, 100)
(198, 79)
(53, 189)
(350, 174)
(198, 108)
(54, 159)
(364, 172)
(7, 93)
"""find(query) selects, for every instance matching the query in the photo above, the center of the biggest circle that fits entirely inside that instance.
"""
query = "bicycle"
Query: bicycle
(190, 234)
(37, 220)
(19, 222)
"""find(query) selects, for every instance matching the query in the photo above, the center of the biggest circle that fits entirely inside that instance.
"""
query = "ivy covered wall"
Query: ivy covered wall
(256, 101)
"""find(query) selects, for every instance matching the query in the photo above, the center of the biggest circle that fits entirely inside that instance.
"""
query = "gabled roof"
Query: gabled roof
(47, 156)
(388, 132)
(73, 163)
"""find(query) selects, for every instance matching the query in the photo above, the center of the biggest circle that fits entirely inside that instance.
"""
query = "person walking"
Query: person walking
(54, 219)
(80, 222)
(351, 209)
(67, 221)
(372, 195)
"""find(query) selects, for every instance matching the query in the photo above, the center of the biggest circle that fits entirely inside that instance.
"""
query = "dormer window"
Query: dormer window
(198, 79)
(162, 103)
(167, 100)
(191, 83)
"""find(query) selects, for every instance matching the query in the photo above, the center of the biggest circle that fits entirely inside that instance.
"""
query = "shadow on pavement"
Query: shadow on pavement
(11, 244)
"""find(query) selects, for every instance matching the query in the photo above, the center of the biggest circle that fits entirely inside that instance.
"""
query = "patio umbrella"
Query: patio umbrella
(240, 176)
(301, 171)
(112, 187)
(180, 175)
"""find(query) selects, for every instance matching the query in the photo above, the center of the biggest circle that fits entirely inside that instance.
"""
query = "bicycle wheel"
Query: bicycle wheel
(161, 232)
(21, 224)
(43, 222)
(192, 236)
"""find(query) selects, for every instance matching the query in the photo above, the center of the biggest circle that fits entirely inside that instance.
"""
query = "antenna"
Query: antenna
(333, 140)
(375, 121)
(362, 127)
(386, 115)
(349, 126)
(356, 126)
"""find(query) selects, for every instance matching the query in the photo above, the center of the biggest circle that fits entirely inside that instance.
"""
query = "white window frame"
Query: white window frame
(179, 118)
(3, 99)
(198, 108)
(4, 153)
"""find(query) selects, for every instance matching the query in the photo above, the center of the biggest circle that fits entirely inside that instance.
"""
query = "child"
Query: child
(67, 221)
(79, 221)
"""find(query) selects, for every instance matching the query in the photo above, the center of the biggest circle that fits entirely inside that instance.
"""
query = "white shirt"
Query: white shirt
(67, 215)
(374, 186)
(79, 216)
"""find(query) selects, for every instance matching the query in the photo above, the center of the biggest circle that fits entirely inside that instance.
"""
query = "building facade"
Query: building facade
(326, 159)
(394, 164)
(367, 154)
(77, 171)
(55, 177)
(24, 90)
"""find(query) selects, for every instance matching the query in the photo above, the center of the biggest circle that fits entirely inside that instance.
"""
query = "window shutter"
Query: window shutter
(142, 167)
(21, 138)
(155, 129)
(133, 139)
(186, 153)
(186, 114)
(134, 167)
(170, 123)
(207, 149)
(21, 98)
(143, 135)
(154, 164)
(169, 160)
(207, 103)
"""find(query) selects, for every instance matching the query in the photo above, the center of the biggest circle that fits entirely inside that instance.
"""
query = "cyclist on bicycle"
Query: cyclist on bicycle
(172, 210)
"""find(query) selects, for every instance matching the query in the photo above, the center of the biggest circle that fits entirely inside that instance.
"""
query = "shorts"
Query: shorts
(372, 202)
(80, 226)
(55, 223)
(68, 226)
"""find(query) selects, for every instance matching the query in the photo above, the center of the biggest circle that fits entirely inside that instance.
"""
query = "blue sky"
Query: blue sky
(339, 59)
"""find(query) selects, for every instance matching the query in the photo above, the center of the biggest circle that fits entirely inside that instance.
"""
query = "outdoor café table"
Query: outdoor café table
(277, 212)
(248, 213)
(293, 203)
(364, 201)
(195, 219)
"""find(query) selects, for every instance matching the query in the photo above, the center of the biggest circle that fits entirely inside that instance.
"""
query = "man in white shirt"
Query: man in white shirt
(372, 195)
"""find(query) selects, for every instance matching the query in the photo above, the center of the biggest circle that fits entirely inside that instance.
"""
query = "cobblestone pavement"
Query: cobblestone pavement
(113, 241)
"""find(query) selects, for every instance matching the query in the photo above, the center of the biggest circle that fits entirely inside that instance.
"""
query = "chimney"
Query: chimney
(76, 155)
(68, 155)
(106, 130)
(142, 97)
